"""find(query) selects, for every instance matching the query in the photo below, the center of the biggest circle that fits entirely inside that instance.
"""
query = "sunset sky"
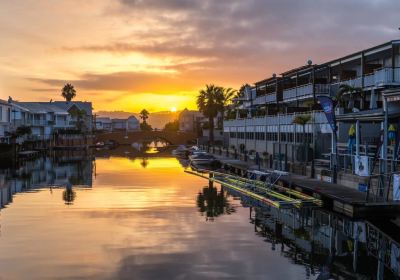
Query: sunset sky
(156, 54)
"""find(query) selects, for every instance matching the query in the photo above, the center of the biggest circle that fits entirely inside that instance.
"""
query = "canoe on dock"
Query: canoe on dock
(270, 194)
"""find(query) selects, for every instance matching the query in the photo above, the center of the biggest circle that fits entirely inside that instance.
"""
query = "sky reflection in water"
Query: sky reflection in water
(133, 223)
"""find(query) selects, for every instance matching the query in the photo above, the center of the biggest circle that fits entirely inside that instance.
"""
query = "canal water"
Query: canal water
(121, 217)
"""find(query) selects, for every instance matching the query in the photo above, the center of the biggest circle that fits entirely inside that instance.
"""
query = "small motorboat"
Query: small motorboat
(181, 151)
(202, 158)
(197, 153)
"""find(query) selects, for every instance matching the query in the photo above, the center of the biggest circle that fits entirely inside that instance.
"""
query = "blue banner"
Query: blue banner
(329, 110)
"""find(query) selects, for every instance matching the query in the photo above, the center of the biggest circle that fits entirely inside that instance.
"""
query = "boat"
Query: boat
(181, 151)
(195, 154)
(266, 192)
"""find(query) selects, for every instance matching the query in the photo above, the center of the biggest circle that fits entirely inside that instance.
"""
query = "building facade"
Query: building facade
(46, 118)
(5, 121)
(129, 124)
(265, 119)
(189, 121)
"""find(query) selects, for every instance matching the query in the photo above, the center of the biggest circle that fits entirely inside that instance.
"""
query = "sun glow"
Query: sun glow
(173, 109)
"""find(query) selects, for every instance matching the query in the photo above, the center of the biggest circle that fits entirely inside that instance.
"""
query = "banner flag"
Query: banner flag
(327, 106)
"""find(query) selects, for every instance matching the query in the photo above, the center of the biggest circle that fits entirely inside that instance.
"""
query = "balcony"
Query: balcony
(259, 100)
(61, 124)
(379, 78)
(387, 76)
(266, 98)
(270, 98)
(281, 119)
(39, 122)
(304, 92)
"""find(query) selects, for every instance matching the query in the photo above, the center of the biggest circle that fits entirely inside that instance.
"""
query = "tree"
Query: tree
(145, 127)
(69, 196)
(210, 101)
(172, 126)
(213, 203)
(228, 95)
(68, 92)
(80, 116)
(351, 92)
(23, 130)
(144, 115)
(241, 91)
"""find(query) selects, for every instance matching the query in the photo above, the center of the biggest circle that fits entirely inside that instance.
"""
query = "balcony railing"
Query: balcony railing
(270, 98)
(304, 91)
(259, 100)
(356, 82)
(61, 124)
(39, 122)
(281, 119)
(387, 76)
(380, 77)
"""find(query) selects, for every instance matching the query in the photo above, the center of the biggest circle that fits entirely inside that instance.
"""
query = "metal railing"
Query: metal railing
(280, 119)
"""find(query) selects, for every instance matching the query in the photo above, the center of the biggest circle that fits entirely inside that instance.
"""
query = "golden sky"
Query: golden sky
(157, 54)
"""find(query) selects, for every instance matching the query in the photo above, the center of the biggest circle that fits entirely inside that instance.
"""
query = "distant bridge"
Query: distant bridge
(123, 138)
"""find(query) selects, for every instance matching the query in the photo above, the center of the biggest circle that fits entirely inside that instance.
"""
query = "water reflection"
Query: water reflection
(52, 171)
(213, 203)
(144, 218)
(328, 245)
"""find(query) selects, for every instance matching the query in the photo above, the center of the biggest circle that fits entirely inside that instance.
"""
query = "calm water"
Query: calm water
(147, 219)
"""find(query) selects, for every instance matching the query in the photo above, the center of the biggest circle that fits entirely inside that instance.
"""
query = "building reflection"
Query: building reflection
(60, 170)
(327, 244)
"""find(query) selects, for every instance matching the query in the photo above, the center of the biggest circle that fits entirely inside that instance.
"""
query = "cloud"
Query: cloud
(271, 36)
(121, 81)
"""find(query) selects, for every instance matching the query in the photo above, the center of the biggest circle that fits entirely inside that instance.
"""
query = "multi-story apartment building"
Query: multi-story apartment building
(264, 119)
(5, 120)
(45, 118)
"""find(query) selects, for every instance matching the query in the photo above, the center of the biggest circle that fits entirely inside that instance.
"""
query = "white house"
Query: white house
(44, 118)
(103, 124)
(5, 120)
(189, 121)
(130, 124)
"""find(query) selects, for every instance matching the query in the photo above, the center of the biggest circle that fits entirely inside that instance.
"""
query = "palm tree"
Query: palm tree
(303, 120)
(352, 92)
(213, 203)
(228, 95)
(240, 92)
(68, 92)
(144, 115)
(210, 101)
(80, 116)
(69, 196)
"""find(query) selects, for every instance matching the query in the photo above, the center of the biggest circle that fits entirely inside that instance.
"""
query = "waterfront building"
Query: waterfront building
(46, 118)
(5, 121)
(129, 124)
(103, 124)
(190, 120)
(264, 119)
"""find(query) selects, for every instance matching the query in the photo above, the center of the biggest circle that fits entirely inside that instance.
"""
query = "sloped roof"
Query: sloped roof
(4, 102)
(41, 107)
(82, 105)
(58, 107)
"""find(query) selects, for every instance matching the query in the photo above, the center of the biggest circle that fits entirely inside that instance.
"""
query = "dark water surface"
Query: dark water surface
(147, 219)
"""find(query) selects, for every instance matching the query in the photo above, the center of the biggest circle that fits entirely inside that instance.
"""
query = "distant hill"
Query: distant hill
(156, 120)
